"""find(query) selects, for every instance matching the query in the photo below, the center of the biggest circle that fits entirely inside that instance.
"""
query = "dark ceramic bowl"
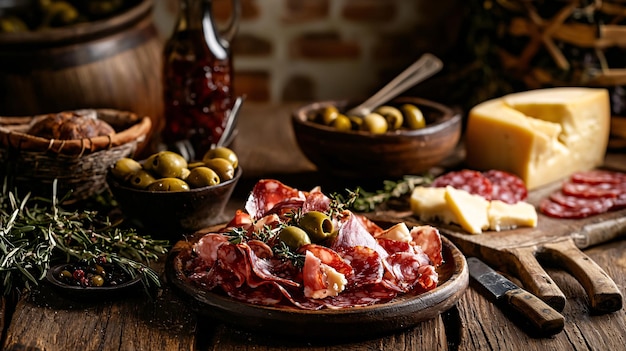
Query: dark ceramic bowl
(90, 293)
(359, 154)
(169, 215)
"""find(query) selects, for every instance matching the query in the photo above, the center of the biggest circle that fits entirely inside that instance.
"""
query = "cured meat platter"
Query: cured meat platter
(401, 313)
(522, 251)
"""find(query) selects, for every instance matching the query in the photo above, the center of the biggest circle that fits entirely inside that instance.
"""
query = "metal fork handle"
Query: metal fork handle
(426, 66)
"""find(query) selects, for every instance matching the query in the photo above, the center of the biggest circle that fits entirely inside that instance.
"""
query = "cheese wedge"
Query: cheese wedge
(503, 216)
(540, 135)
(470, 210)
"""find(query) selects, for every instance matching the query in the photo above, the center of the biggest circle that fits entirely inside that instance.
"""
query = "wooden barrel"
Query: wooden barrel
(113, 63)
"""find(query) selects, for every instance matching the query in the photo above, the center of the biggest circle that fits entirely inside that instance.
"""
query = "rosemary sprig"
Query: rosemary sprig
(366, 201)
(36, 232)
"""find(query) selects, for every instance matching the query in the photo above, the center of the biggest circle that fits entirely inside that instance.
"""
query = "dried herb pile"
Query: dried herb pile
(36, 233)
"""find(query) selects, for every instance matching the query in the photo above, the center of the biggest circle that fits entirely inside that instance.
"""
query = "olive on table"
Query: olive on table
(414, 118)
(294, 237)
(374, 123)
(392, 115)
(202, 176)
(222, 152)
(317, 225)
(167, 164)
(222, 167)
(141, 179)
(168, 184)
(124, 168)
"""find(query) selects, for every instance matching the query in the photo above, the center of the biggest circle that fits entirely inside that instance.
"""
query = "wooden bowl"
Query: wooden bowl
(359, 154)
(170, 215)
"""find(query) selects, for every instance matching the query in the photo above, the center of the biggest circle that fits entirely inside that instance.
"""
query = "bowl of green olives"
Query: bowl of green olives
(409, 135)
(170, 197)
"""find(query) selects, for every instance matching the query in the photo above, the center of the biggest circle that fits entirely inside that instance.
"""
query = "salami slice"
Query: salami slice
(363, 295)
(599, 176)
(586, 190)
(471, 181)
(555, 209)
(367, 266)
(506, 187)
(267, 193)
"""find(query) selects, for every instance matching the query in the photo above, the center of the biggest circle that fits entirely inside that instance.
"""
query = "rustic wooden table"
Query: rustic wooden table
(42, 320)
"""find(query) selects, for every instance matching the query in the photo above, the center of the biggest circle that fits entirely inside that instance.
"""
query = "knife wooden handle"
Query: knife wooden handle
(539, 314)
(604, 295)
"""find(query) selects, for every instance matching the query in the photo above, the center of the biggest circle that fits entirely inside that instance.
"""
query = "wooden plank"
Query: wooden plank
(44, 320)
(486, 327)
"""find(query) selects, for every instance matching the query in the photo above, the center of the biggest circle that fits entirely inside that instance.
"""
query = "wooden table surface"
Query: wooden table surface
(42, 320)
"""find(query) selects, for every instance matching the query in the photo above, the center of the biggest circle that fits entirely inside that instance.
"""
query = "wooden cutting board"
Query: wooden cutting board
(521, 252)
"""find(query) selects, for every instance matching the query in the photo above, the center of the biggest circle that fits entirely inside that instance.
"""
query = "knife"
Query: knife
(540, 315)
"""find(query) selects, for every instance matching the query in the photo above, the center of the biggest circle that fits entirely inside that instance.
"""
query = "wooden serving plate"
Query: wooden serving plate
(553, 241)
(351, 323)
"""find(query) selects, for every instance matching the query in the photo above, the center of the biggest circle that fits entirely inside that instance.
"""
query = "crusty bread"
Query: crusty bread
(71, 125)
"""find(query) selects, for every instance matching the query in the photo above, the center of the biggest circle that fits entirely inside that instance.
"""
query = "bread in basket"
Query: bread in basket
(32, 163)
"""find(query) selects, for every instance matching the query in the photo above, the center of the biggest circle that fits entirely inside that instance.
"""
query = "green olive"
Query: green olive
(329, 114)
(97, 280)
(392, 115)
(317, 225)
(222, 167)
(413, 116)
(124, 168)
(167, 164)
(202, 176)
(342, 123)
(169, 184)
(294, 237)
(356, 122)
(374, 123)
(195, 164)
(222, 152)
(141, 179)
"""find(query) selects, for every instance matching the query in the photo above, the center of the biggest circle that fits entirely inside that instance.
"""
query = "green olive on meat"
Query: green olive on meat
(317, 225)
(124, 168)
(413, 116)
(392, 115)
(222, 152)
(374, 123)
(342, 123)
(167, 164)
(169, 184)
(141, 179)
(222, 167)
(294, 237)
(329, 114)
(202, 176)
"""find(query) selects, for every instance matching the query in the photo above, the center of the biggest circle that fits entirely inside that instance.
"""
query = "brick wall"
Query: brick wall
(302, 50)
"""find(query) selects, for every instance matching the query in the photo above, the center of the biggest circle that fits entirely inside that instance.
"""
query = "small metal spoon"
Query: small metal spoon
(230, 123)
(423, 68)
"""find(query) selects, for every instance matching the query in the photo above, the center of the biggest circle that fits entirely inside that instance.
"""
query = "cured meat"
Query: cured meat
(266, 194)
(558, 210)
(586, 190)
(506, 187)
(598, 177)
(471, 181)
(247, 261)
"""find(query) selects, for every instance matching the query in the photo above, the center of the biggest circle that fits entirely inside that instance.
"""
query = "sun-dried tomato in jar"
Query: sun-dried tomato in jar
(197, 76)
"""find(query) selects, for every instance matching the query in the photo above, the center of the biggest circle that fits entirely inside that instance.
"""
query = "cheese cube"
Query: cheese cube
(430, 204)
(470, 210)
(503, 216)
(540, 135)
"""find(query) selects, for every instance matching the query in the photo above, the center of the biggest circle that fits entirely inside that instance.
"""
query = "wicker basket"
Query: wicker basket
(80, 166)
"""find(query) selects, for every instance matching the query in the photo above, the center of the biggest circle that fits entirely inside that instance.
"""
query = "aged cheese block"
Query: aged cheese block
(503, 216)
(540, 135)
(470, 210)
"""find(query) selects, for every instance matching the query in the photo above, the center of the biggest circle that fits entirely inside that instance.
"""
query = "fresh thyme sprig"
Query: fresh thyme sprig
(35, 232)
(366, 201)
